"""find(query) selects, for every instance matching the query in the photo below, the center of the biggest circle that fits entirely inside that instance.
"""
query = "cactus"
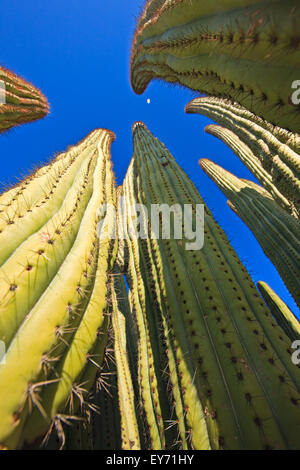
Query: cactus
(201, 320)
(20, 101)
(126, 395)
(152, 364)
(276, 231)
(56, 295)
(246, 51)
(283, 315)
(270, 153)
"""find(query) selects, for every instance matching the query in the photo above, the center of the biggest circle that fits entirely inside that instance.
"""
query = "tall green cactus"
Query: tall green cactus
(270, 153)
(53, 300)
(285, 318)
(228, 365)
(112, 423)
(276, 231)
(243, 50)
(20, 102)
(126, 395)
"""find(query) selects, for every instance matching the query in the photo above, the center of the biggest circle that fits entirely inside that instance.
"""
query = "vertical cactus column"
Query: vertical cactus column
(56, 295)
(243, 50)
(276, 231)
(20, 102)
(270, 153)
(283, 315)
(220, 343)
(126, 394)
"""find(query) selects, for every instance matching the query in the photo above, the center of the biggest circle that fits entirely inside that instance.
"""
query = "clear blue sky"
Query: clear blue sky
(77, 52)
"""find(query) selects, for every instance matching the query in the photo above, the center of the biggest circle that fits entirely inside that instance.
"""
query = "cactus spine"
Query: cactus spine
(270, 153)
(53, 340)
(283, 315)
(276, 231)
(221, 335)
(237, 49)
(20, 101)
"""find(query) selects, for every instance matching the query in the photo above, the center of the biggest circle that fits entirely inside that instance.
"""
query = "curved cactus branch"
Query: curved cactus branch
(270, 153)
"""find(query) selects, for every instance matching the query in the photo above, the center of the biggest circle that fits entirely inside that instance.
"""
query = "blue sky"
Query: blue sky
(77, 52)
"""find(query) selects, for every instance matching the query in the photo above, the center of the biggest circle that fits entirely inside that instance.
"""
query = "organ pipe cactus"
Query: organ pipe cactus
(283, 315)
(232, 384)
(244, 50)
(126, 395)
(270, 153)
(276, 231)
(112, 423)
(20, 102)
(53, 300)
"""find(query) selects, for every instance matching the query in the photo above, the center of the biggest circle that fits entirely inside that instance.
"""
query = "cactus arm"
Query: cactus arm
(31, 218)
(73, 361)
(276, 231)
(169, 14)
(250, 161)
(54, 311)
(283, 315)
(260, 135)
(147, 352)
(33, 265)
(208, 351)
(23, 102)
(129, 425)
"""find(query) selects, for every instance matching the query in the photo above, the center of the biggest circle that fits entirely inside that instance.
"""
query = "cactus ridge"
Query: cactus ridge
(23, 102)
(229, 52)
(276, 231)
(203, 322)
